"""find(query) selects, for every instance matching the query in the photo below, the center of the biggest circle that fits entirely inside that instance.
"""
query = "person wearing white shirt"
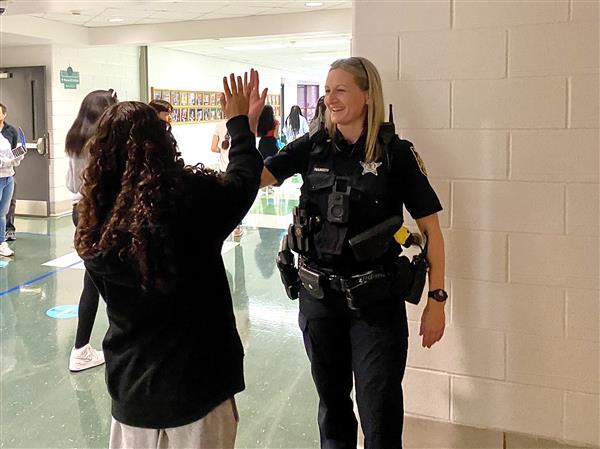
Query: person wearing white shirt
(295, 124)
(7, 185)
(220, 144)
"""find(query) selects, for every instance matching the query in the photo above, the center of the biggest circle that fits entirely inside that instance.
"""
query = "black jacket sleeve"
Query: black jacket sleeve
(290, 160)
(225, 201)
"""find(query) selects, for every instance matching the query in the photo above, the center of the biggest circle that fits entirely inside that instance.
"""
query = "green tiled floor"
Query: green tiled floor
(268, 205)
(42, 405)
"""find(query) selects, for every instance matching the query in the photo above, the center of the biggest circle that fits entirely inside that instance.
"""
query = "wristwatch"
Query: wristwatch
(439, 295)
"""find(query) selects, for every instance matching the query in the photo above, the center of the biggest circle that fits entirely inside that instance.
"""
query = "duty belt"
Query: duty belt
(316, 281)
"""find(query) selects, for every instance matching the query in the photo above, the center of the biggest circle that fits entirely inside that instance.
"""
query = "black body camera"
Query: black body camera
(338, 202)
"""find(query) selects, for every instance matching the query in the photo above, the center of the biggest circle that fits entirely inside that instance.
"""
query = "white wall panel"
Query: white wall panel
(501, 13)
(455, 54)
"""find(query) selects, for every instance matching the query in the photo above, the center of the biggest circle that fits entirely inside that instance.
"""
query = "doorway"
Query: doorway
(23, 91)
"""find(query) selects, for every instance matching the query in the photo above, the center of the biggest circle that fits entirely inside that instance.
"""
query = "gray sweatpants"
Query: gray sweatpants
(217, 430)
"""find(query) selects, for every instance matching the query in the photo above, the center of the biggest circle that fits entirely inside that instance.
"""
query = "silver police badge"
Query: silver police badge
(370, 167)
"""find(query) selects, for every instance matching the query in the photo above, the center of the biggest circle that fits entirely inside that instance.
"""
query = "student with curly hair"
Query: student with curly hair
(150, 233)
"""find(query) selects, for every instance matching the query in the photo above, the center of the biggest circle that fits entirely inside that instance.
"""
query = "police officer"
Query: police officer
(355, 177)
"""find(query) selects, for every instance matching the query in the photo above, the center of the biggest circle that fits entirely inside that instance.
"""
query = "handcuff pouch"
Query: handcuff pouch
(312, 281)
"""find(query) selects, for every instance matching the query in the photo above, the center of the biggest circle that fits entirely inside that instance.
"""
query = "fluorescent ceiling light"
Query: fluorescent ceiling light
(115, 19)
(319, 58)
(255, 47)
(313, 4)
(293, 44)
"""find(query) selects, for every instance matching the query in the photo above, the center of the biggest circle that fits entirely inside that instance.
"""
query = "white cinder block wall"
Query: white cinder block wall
(501, 100)
(99, 68)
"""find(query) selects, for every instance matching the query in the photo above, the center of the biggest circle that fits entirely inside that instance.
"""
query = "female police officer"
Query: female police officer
(356, 176)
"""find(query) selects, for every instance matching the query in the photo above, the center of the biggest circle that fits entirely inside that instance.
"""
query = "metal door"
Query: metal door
(23, 92)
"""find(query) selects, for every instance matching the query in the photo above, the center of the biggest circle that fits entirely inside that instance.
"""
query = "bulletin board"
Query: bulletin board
(190, 106)
(275, 101)
(199, 106)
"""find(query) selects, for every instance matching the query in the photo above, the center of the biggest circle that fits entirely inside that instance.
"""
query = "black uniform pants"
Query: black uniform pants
(374, 347)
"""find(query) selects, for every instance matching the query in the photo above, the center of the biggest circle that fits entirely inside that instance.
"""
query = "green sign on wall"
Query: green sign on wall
(69, 78)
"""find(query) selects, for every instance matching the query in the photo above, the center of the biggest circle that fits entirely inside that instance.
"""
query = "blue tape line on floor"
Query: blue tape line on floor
(64, 311)
(37, 279)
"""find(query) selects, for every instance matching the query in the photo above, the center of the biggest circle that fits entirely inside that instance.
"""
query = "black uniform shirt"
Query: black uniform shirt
(409, 182)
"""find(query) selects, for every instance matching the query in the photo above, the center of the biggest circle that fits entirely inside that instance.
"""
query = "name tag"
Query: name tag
(321, 169)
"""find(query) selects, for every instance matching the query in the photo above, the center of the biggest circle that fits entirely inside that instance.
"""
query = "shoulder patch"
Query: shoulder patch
(420, 162)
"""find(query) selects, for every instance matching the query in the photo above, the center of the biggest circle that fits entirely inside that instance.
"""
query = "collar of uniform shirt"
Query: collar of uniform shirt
(344, 146)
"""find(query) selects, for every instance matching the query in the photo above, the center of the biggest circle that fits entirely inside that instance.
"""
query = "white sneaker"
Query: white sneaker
(84, 358)
(5, 250)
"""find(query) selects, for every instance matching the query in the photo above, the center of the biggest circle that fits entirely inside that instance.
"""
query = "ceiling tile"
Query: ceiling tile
(164, 11)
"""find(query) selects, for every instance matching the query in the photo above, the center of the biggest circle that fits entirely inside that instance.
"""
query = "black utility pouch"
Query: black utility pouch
(312, 282)
(366, 289)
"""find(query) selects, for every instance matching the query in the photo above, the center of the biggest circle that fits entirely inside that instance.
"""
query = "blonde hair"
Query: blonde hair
(367, 78)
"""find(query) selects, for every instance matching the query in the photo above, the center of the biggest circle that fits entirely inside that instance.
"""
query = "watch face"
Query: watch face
(438, 295)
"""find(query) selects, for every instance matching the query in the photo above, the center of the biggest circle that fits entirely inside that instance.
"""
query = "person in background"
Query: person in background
(357, 175)
(163, 108)
(10, 133)
(8, 141)
(174, 359)
(268, 130)
(221, 142)
(83, 355)
(295, 124)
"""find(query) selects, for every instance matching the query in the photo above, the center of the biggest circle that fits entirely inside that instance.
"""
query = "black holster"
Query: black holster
(409, 278)
(419, 265)
(288, 271)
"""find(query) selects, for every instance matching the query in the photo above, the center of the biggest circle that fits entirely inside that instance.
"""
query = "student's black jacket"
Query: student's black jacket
(11, 134)
(170, 359)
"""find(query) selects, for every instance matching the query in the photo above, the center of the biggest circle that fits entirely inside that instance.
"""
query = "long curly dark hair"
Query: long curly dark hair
(133, 185)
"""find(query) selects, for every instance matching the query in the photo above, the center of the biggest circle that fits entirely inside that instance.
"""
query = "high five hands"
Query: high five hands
(241, 97)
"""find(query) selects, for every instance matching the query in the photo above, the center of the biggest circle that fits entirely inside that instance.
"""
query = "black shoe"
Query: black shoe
(10, 236)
